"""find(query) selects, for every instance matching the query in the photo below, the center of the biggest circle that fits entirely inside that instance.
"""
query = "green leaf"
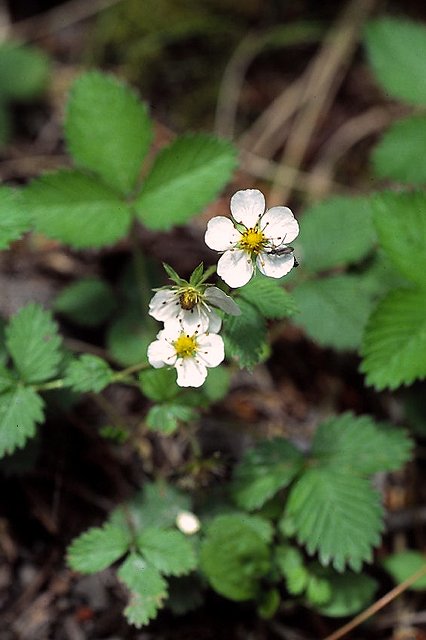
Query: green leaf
(269, 298)
(76, 209)
(7, 378)
(245, 335)
(234, 557)
(291, 564)
(349, 593)
(334, 310)
(264, 470)
(404, 564)
(394, 345)
(336, 232)
(14, 221)
(20, 410)
(360, 445)
(88, 302)
(107, 129)
(217, 383)
(318, 589)
(400, 220)
(158, 385)
(168, 551)
(396, 50)
(98, 548)
(167, 417)
(397, 154)
(337, 515)
(24, 71)
(148, 589)
(33, 343)
(128, 337)
(185, 177)
(88, 373)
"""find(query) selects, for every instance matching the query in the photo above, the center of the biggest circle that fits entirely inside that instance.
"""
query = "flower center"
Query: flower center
(185, 346)
(188, 299)
(252, 240)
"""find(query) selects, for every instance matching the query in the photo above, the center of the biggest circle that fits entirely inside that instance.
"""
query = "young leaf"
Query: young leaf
(76, 209)
(186, 176)
(264, 470)
(349, 593)
(24, 71)
(107, 129)
(14, 221)
(402, 565)
(269, 298)
(245, 335)
(158, 385)
(168, 551)
(291, 564)
(88, 373)
(33, 343)
(97, 548)
(20, 410)
(167, 417)
(148, 589)
(394, 345)
(88, 302)
(397, 154)
(337, 515)
(396, 50)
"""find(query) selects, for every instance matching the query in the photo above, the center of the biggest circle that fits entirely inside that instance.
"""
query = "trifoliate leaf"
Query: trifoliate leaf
(98, 548)
(88, 302)
(88, 373)
(394, 345)
(107, 129)
(268, 467)
(336, 232)
(167, 417)
(245, 335)
(24, 71)
(348, 594)
(337, 515)
(148, 589)
(291, 564)
(14, 220)
(404, 564)
(400, 220)
(269, 298)
(33, 342)
(396, 50)
(397, 154)
(234, 557)
(168, 551)
(186, 176)
(76, 209)
(361, 445)
(333, 311)
(20, 410)
(158, 385)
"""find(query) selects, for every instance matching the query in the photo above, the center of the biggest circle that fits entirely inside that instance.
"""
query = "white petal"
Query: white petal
(274, 266)
(210, 350)
(190, 373)
(215, 322)
(164, 305)
(161, 353)
(235, 267)
(280, 225)
(247, 206)
(195, 320)
(219, 299)
(221, 234)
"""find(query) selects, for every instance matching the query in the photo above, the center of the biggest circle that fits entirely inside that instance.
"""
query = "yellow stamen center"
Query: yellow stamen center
(185, 346)
(188, 299)
(252, 240)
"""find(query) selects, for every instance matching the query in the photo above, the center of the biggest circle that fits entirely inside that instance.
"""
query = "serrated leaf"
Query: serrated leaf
(168, 551)
(185, 177)
(88, 373)
(336, 232)
(396, 50)
(397, 154)
(76, 209)
(20, 410)
(158, 385)
(245, 335)
(269, 298)
(292, 567)
(404, 564)
(88, 302)
(14, 221)
(400, 220)
(33, 343)
(334, 310)
(167, 417)
(7, 378)
(98, 548)
(394, 345)
(24, 71)
(107, 129)
(234, 557)
(337, 515)
(268, 467)
(348, 594)
(318, 589)
(359, 444)
(148, 589)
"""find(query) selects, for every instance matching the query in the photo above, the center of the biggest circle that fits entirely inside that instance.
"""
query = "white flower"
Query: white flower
(253, 237)
(190, 354)
(187, 522)
(191, 307)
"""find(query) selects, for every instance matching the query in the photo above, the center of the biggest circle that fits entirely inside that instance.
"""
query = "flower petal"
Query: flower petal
(190, 373)
(219, 299)
(195, 320)
(165, 305)
(235, 267)
(274, 266)
(211, 351)
(248, 206)
(215, 322)
(161, 353)
(221, 234)
(280, 225)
